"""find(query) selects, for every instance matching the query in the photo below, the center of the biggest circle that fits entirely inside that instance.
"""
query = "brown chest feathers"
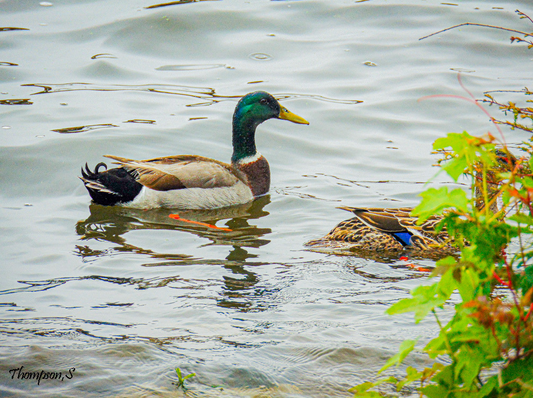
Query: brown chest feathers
(257, 174)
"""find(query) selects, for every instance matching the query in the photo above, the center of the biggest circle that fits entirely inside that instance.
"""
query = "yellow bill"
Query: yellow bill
(285, 114)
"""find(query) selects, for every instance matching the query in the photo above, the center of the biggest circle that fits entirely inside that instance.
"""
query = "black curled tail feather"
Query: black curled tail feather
(110, 187)
(88, 174)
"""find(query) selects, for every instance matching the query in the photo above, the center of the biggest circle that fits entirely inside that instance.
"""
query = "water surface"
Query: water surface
(125, 296)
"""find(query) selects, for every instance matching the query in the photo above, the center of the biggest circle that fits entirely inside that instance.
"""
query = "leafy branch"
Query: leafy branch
(518, 113)
(489, 339)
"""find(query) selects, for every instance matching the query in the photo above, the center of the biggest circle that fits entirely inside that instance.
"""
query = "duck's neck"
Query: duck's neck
(243, 136)
(245, 156)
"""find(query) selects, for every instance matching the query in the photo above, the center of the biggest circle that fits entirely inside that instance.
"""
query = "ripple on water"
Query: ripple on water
(260, 56)
(189, 67)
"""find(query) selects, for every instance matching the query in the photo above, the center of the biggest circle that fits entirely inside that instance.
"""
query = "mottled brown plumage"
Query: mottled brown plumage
(384, 231)
(395, 231)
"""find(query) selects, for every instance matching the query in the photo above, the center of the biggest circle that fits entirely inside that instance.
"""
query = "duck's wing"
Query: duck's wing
(399, 221)
(384, 220)
(179, 172)
(393, 220)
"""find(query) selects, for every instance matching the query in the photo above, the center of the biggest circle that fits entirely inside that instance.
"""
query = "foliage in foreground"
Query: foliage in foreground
(488, 343)
(489, 340)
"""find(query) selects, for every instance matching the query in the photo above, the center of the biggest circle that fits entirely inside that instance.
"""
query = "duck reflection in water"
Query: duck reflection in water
(112, 223)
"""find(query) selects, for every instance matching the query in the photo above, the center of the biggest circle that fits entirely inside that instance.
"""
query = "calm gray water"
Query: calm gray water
(124, 296)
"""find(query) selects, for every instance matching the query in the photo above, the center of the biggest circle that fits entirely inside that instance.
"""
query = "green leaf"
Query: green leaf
(412, 375)
(452, 140)
(489, 386)
(425, 299)
(361, 390)
(469, 362)
(466, 150)
(527, 182)
(455, 167)
(522, 218)
(363, 387)
(437, 346)
(448, 282)
(405, 348)
(402, 306)
(445, 377)
(525, 280)
(468, 284)
(181, 379)
(469, 334)
(521, 368)
(434, 201)
(434, 391)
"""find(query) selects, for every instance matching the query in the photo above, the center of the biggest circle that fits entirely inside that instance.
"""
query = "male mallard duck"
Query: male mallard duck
(190, 181)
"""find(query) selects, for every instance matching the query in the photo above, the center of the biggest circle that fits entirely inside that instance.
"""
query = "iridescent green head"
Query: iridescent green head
(252, 110)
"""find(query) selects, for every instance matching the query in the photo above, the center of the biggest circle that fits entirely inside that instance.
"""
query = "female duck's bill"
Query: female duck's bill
(190, 181)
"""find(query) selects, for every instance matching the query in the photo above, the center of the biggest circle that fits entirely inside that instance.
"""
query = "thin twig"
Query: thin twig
(472, 100)
(476, 102)
(525, 90)
(522, 15)
(476, 24)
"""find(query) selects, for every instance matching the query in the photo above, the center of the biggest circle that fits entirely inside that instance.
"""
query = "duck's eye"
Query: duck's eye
(263, 101)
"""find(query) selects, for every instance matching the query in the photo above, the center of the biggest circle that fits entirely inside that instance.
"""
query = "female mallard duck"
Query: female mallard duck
(384, 230)
(190, 181)
(395, 230)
